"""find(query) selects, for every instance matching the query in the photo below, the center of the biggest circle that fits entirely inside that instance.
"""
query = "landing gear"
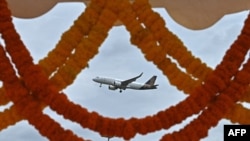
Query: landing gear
(120, 90)
(100, 85)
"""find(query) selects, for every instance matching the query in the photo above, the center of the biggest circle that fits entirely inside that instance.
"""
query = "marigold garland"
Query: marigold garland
(156, 25)
(239, 114)
(9, 117)
(85, 50)
(35, 90)
(215, 111)
(27, 105)
(70, 39)
(247, 97)
(3, 99)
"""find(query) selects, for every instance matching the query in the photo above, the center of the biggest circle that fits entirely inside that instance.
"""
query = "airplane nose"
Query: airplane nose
(94, 79)
(97, 79)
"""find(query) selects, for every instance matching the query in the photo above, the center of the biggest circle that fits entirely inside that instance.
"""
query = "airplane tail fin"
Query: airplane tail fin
(150, 84)
(151, 81)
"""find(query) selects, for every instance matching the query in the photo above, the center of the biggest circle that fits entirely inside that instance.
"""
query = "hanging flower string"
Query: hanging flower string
(214, 112)
(156, 25)
(233, 70)
(3, 99)
(35, 89)
(239, 114)
(247, 97)
(70, 39)
(27, 105)
(234, 92)
(173, 47)
(85, 50)
(9, 117)
(63, 46)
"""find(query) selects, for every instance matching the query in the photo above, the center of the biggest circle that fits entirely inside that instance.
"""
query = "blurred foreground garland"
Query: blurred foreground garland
(215, 94)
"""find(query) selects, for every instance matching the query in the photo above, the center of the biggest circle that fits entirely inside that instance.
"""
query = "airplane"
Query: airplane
(126, 84)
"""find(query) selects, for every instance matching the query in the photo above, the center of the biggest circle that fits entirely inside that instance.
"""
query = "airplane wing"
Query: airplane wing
(126, 82)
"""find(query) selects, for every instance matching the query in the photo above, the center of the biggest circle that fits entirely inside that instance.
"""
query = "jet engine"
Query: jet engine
(112, 87)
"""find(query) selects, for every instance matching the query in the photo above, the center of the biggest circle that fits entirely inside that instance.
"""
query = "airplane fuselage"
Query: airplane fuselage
(117, 83)
(127, 84)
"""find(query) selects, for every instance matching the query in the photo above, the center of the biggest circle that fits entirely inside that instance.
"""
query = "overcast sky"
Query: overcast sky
(119, 59)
